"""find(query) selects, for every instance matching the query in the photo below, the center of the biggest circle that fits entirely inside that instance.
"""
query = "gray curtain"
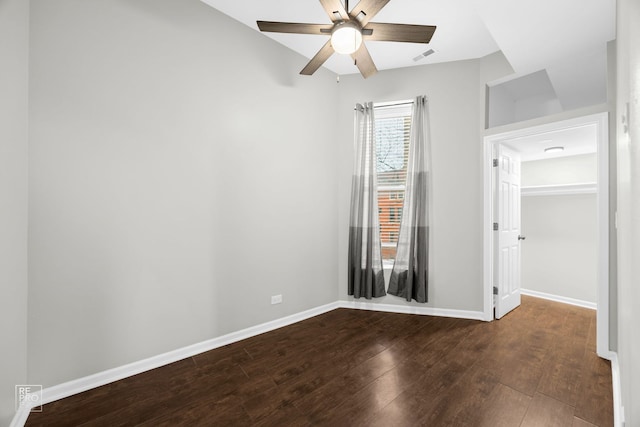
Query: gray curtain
(366, 278)
(410, 274)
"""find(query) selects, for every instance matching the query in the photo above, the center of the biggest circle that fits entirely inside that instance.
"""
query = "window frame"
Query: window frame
(397, 109)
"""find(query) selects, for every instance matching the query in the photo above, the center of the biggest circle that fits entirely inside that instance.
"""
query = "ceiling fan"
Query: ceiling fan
(349, 30)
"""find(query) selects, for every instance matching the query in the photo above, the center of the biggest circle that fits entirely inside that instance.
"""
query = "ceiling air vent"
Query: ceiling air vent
(423, 55)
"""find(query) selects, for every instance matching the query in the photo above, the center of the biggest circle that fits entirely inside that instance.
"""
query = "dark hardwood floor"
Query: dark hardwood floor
(535, 367)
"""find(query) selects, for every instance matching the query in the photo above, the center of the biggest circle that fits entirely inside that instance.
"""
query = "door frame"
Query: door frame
(601, 120)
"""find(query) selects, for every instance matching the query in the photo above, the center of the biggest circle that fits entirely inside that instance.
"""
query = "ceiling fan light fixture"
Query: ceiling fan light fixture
(346, 38)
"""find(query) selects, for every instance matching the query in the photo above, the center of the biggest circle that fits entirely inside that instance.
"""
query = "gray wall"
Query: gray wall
(456, 95)
(14, 52)
(177, 181)
(628, 95)
(152, 208)
(507, 108)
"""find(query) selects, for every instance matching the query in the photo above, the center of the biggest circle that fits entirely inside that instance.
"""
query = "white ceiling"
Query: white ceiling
(533, 35)
(536, 34)
(461, 33)
(575, 140)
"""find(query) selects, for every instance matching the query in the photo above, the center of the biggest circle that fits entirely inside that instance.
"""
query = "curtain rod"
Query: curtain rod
(390, 104)
(393, 104)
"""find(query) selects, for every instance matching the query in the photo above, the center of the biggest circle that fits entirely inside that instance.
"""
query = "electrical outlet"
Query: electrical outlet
(276, 299)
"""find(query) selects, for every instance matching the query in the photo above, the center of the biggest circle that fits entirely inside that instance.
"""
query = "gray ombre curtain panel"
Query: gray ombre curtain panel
(410, 274)
(366, 278)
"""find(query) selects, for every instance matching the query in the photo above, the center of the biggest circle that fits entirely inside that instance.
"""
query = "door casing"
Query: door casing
(490, 143)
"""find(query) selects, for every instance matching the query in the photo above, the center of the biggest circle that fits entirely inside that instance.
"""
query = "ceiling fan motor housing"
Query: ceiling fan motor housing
(346, 37)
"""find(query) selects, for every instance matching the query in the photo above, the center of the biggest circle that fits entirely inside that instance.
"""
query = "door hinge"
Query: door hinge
(495, 163)
(495, 226)
(495, 290)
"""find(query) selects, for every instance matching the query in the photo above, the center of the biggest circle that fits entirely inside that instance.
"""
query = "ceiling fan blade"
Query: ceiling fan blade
(335, 10)
(365, 10)
(364, 62)
(293, 27)
(316, 62)
(400, 32)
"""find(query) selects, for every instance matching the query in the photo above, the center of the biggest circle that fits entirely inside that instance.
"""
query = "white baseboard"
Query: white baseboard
(618, 410)
(406, 309)
(557, 298)
(51, 394)
(20, 418)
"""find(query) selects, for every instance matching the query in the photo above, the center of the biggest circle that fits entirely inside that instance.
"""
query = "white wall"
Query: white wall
(456, 95)
(177, 182)
(14, 48)
(628, 94)
(560, 253)
(613, 196)
(569, 83)
(559, 256)
(578, 169)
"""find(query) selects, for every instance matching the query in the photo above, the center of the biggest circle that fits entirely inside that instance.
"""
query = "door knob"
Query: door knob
(521, 237)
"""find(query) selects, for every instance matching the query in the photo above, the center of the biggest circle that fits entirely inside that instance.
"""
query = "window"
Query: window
(393, 127)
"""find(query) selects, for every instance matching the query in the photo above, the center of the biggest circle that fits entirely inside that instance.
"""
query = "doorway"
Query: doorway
(492, 199)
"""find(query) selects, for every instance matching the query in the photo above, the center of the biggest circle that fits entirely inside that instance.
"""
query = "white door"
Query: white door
(508, 239)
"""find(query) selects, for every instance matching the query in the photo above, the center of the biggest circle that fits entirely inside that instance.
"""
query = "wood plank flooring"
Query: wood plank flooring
(535, 367)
